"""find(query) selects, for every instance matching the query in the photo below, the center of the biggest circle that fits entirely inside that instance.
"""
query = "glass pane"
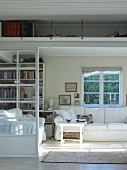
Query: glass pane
(117, 98)
(13, 127)
(111, 99)
(112, 77)
(111, 86)
(106, 99)
(91, 77)
(91, 87)
(91, 98)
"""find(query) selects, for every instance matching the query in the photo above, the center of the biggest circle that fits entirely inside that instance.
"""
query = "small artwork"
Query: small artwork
(76, 95)
(64, 99)
(71, 87)
(76, 102)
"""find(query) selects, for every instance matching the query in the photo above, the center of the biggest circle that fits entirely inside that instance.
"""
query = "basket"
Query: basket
(71, 135)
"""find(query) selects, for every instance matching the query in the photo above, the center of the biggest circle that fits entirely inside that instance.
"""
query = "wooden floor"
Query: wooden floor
(51, 145)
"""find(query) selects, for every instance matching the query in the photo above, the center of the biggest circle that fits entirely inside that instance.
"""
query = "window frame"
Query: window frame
(101, 90)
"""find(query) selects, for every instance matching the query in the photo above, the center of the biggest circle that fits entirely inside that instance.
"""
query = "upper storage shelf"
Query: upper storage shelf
(42, 28)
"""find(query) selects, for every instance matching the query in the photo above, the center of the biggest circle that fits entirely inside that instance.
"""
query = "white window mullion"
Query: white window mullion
(101, 90)
(120, 90)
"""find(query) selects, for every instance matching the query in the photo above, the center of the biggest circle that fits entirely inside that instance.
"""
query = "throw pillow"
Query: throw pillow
(63, 113)
(88, 118)
(72, 114)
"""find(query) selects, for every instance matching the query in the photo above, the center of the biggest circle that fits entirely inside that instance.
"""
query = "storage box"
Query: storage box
(71, 135)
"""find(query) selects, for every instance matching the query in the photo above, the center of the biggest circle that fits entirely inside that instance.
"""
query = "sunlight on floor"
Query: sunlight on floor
(52, 145)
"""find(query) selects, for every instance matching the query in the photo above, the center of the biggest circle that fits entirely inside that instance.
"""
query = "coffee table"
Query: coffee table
(70, 124)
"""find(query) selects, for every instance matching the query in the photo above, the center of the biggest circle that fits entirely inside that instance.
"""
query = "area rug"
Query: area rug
(86, 157)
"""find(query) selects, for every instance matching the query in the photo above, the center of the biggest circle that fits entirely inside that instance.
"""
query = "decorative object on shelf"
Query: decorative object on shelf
(51, 102)
(76, 95)
(68, 120)
(76, 102)
(46, 106)
(64, 99)
(71, 87)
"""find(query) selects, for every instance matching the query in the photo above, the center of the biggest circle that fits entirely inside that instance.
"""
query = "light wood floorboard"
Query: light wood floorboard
(51, 145)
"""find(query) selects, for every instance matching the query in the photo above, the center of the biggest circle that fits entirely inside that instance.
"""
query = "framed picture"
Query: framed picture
(76, 95)
(71, 87)
(76, 102)
(64, 99)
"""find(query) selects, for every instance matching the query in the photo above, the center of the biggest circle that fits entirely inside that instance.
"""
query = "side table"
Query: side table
(70, 124)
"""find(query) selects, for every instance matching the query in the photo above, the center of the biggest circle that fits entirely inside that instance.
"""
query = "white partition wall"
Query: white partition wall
(19, 96)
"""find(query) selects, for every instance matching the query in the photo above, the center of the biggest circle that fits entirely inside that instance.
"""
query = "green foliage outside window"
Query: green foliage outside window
(110, 89)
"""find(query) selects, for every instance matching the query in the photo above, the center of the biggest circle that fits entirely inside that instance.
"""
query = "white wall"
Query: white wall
(68, 69)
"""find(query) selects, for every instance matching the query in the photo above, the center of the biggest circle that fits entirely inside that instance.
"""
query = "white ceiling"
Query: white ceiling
(88, 10)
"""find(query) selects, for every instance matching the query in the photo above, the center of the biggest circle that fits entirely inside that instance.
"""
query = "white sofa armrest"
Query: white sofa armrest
(41, 121)
(58, 119)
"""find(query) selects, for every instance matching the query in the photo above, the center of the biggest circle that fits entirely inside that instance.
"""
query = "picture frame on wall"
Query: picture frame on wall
(64, 99)
(76, 95)
(76, 102)
(71, 87)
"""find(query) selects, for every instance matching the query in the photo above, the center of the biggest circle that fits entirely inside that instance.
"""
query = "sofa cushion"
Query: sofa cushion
(63, 113)
(72, 114)
(66, 113)
(77, 110)
(117, 126)
(115, 115)
(96, 126)
(97, 114)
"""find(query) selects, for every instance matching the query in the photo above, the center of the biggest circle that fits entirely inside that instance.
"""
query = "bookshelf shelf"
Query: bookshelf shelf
(28, 29)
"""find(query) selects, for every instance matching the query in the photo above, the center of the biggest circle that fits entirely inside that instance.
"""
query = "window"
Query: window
(102, 88)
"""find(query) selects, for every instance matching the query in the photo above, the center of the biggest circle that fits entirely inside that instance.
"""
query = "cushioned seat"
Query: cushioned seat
(96, 126)
(117, 126)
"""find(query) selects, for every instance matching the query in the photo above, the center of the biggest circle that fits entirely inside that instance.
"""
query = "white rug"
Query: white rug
(86, 157)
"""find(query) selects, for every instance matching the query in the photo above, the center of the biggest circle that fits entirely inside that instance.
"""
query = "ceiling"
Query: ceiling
(89, 11)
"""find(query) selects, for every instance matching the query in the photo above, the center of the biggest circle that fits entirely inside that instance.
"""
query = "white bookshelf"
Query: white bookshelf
(18, 81)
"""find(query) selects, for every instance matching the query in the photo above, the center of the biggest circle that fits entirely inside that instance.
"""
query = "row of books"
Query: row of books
(8, 74)
(18, 28)
(26, 74)
(8, 93)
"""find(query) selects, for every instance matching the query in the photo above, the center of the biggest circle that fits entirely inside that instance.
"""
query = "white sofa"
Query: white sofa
(109, 124)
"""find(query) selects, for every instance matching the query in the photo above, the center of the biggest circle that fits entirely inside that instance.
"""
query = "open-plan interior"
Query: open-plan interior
(63, 85)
